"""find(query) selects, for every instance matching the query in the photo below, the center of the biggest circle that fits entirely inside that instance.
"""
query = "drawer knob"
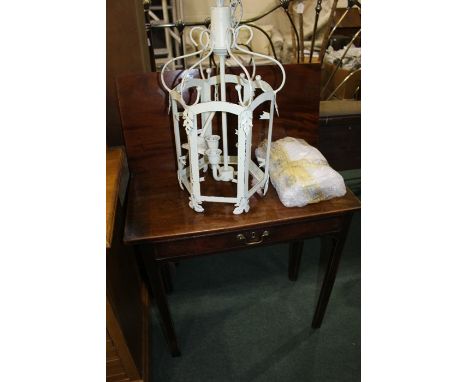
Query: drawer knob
(253, 238)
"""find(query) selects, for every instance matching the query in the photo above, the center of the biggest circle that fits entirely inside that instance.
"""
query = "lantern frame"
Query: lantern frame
(202, 147)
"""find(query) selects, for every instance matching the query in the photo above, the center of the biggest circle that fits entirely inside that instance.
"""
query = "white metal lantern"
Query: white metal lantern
(204, 150)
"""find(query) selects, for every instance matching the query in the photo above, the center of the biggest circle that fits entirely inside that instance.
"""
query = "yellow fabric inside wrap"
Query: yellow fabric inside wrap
(295, 173)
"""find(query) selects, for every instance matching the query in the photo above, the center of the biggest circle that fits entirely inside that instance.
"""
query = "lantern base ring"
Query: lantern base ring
(259, 185)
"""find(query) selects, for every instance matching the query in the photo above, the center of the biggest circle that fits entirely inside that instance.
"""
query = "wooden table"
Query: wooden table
(161, 225)
(164, 228)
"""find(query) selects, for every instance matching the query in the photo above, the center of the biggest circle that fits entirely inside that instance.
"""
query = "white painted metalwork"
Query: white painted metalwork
(203, 149)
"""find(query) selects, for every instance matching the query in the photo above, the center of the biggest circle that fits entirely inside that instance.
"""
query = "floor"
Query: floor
(239, 318)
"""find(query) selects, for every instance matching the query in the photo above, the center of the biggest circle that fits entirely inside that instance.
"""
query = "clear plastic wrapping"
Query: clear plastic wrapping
(300, 173)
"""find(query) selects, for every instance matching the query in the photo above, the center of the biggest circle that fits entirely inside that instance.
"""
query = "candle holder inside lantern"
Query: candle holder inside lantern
(203, 149)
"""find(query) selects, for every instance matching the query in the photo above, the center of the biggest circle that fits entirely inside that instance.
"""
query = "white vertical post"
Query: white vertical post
(175, 121)
(240, 161)
(206, 97)
(194, 169)
(248, 149)
(222, 71)
(270, 130)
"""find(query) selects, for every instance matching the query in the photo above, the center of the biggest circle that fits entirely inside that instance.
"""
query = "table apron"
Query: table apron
(206, 244)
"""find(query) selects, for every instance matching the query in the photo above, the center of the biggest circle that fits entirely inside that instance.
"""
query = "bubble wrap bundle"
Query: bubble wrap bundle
(300, 173)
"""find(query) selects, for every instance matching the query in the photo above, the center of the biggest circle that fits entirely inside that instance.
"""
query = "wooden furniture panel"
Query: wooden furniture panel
(349, 25)
(111, 352)
(119, 362)
(114, 167)
(126, 52)
(351, 20)
(340, 134)
(126, 296)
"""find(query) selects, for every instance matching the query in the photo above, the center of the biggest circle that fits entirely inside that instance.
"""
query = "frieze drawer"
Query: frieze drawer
(247, 238)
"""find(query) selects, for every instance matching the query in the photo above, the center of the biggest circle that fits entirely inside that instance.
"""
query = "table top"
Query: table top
(158, 210)
(114, 166)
